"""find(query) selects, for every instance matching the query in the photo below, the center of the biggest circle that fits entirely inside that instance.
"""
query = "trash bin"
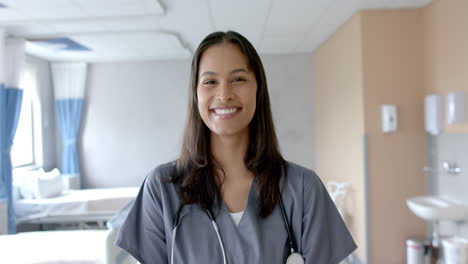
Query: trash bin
(455, 250)
(414, 251)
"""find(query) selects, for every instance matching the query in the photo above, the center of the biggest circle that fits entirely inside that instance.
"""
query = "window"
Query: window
(22, 152)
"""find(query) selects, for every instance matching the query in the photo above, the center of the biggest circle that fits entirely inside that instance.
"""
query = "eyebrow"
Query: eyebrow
(232, 72)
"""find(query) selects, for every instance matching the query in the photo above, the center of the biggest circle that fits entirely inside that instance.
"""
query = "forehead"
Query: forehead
(222, 58)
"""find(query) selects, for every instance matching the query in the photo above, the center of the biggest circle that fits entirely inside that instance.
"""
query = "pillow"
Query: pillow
(49, 184)
(36, 183)
(24, 181)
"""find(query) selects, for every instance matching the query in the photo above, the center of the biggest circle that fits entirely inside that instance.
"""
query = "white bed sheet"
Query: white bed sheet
(76, 202)
(54, 247)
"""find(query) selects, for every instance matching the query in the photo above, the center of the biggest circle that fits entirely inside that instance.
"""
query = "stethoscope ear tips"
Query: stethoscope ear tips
(295, 258)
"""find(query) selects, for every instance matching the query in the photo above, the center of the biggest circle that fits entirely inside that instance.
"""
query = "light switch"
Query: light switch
(389, 118)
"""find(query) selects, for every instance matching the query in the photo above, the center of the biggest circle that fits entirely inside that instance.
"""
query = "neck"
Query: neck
(229, 152)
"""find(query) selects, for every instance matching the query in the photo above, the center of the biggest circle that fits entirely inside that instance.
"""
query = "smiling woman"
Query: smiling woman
(231, 197)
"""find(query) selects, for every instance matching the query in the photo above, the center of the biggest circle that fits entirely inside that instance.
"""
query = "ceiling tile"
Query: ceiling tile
(229, 13)
(129, 46)
(375, 4)
(154, 6)
(8, 14)
(273, 26)
(338, 13)
(281, 30)
(106, 8)
(191, 19)
(78, 26)
(31, 4)
(137, 23)
(276, 45)
(295, 12)
(30, 30)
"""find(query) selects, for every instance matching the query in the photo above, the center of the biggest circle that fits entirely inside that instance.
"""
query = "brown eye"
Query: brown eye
(209, 82)
(238, 79)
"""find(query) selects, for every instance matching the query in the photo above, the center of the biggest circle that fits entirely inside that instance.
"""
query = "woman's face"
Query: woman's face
(226, 90)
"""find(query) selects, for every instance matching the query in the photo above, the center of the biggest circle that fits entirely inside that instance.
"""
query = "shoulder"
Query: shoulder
(305, 185)
(160, 174)
(297, 174)
(157, 182)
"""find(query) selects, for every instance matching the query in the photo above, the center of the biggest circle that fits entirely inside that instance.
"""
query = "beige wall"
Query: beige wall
(339, 120)
(446, 50)
(375, 58)
(393, 74)
(401, 55)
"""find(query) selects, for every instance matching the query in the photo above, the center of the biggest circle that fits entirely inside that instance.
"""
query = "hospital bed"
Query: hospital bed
(67, 247)
(64, 247)
(75, 206)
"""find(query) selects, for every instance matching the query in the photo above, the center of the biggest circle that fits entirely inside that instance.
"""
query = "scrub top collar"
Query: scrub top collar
(251, 206)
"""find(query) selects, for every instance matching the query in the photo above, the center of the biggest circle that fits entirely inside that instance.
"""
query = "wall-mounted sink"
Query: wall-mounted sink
(435, 208)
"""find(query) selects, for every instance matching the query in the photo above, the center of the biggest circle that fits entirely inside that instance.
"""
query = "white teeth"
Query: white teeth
(225, 111)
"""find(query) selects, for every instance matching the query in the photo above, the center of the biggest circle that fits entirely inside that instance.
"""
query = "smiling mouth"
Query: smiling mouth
(226, 112)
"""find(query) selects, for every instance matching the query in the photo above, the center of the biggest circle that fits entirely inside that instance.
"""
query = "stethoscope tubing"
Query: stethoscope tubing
(178, 219)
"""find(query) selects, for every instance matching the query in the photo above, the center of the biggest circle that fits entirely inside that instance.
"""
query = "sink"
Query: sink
(436, 208)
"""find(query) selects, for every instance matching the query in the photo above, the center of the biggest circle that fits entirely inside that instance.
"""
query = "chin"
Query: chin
(228, 132)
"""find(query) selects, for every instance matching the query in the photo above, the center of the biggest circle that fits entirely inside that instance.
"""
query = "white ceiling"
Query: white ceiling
(172, 29)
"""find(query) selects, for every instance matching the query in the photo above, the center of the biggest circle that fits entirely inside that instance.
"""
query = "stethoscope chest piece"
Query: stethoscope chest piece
(295, 258)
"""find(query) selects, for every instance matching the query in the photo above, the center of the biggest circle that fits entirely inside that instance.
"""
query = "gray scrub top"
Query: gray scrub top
(319, 231)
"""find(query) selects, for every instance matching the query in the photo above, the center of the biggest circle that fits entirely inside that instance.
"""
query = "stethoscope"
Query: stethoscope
(294, 257)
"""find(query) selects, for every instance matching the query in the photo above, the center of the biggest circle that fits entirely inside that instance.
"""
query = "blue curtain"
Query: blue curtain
(10, 107)
(69, 117)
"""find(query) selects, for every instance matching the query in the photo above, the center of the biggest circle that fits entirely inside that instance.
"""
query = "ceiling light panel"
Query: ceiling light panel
(134, 45)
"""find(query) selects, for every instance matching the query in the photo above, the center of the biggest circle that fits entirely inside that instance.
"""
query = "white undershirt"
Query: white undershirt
(237, 217)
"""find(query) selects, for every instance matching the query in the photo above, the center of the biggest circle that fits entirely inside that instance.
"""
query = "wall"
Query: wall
(135, 115)
(445, 50)
(339, 120)
(450, 147)
(445, 68)
(290, 86)
(133, 120)
(393, 74)
(375, 58)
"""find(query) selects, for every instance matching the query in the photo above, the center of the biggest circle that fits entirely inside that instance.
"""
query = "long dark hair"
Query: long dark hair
(194, 173)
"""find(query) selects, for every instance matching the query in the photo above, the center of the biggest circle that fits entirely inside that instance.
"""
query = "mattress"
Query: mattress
(77, 202)
(54, 247)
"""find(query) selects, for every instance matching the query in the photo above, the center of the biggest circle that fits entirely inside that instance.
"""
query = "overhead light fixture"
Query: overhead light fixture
(60, 44)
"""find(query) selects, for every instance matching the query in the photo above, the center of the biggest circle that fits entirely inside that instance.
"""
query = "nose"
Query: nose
(224, 92)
